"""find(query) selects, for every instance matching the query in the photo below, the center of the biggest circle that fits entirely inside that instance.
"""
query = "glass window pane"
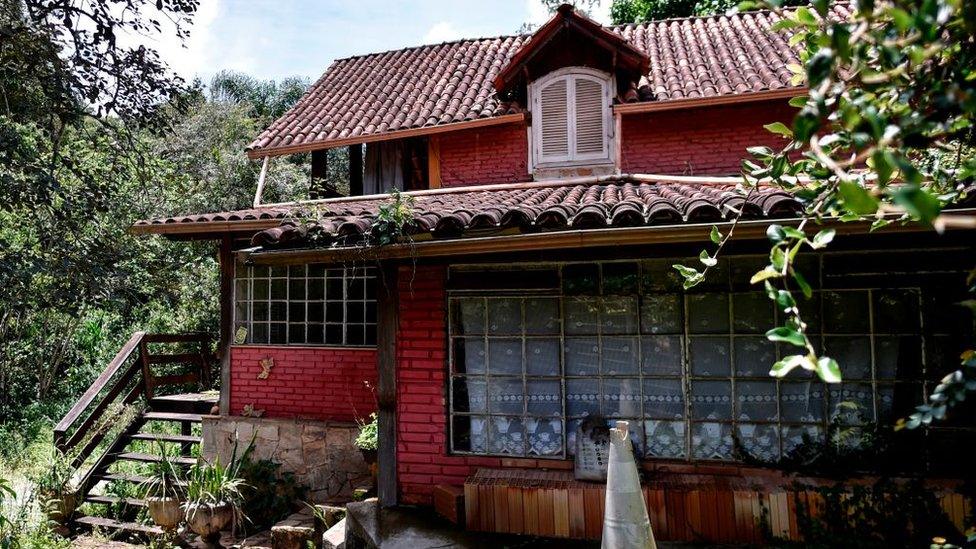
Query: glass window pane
(896, 311)
(259, 310)
(661, 355)
(754, 356)
(469, 356)
(760, 442)
(852, 353)
(505, 395)
(505, 316)
(259, 333)
(582, 315)
(664, 439)
(259, 271)
(333, 311)
(619, 278)
(261, 289)
(752, 313)
(279, 311)
(316, 270)
(582, 397)
(545, 436)
(710, 356)
(658, 275)
(801, 401)
(469, 394)
(278, 333)
(296, 333)
(581, 279)
(471, 434)
(296, 289)
(846, 312)
(315, 333)
(296, 271)
(619, 356)
(851, 403)
(582, 356)
(504, 356)
(661, 314)
(708, 313)
(542, 316)
(545, 397)
(506, 436)
(356, 288)
(296, 312)
(619, 315)
(711, 441)
(802, 442)
(355, 334)
(334, 334)
(355, 312)
(898, 357)
(711, 400)
(279, 288)
(334, 289)
(316, 312)
(664, 399)
(469, 316)
(756, 400)
(621, 397)
(542, 357)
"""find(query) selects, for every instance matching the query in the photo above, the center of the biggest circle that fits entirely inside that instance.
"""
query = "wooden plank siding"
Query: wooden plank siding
(553, 504)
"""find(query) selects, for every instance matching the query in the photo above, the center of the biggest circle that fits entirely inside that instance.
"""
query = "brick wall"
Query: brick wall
(309, 382)
(703, 141)
(493, 154)
(421, 356)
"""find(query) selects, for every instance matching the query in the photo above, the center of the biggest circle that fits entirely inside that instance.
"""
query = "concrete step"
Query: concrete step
(335, 537)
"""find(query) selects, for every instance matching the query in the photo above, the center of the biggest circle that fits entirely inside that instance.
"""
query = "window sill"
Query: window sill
(566, 171)
(296, 346)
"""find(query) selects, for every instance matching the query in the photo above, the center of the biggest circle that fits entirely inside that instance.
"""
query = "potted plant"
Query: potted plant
(163, 490)
(366, 440)
(213, 498)
(56, 488)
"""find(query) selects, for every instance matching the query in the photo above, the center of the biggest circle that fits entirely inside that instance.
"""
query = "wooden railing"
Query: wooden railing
(128, 377)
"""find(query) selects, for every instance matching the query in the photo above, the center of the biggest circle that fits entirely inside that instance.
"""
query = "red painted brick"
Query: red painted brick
(310, 382)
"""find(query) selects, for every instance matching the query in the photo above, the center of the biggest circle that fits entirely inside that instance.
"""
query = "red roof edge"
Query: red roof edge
(567, 16)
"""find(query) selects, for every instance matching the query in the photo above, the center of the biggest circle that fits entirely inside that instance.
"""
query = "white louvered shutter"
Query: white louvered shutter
(591, 138)
(554, 110)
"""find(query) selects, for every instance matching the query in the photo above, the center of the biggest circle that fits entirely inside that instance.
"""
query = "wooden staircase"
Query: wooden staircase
(114, 429)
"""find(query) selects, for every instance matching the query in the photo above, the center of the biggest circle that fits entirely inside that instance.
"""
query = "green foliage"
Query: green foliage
(883, 514)
(892, 90)
(163, 479)
(638, 11)
(368, 433)
(269, 494)
(392, 218)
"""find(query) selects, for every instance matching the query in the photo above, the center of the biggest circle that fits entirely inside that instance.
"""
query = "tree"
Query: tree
(885, 135)
(639, 11)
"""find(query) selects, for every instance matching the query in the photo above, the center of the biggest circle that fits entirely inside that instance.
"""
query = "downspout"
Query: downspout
(261, 178)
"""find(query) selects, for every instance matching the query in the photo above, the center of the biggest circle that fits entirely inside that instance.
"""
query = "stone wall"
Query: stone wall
(321, 454)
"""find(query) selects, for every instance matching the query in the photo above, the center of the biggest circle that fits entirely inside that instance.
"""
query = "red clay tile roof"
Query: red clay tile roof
(624, 201)
(426, 86)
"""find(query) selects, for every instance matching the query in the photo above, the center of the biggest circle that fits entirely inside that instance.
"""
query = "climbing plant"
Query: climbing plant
(884, 135)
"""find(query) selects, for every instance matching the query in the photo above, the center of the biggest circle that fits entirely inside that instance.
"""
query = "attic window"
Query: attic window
(571, 118)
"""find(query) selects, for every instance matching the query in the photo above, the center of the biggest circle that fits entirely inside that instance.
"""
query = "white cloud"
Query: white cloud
(443, 31)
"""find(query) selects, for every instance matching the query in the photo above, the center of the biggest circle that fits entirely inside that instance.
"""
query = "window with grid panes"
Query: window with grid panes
(306, 304)
(622, 340)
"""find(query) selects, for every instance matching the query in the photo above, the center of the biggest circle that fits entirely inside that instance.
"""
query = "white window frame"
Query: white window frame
(570, 75)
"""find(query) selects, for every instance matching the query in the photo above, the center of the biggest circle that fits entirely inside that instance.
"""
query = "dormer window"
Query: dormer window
(571, 118)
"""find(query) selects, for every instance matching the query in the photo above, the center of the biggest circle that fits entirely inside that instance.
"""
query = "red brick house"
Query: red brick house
(554, 178)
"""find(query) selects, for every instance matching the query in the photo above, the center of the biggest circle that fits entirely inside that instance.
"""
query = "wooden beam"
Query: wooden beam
(695, 102)
(388, 136)
(355, 170)
(227, 266)
(386, 329)
(434, 162)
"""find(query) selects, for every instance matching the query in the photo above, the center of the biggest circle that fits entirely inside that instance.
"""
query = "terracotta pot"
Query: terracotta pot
(167, 513)
(208, 520)
(60, 507)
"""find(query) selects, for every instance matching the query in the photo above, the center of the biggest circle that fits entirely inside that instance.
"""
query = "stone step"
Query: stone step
(335, 537)
(295, 532)
(114, 525)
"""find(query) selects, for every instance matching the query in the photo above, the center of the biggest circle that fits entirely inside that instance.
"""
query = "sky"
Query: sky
(273, 39)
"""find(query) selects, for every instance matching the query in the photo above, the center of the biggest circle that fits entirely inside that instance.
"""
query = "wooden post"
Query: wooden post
(386, 329)
(320, 173)
(355, 170)
(227, 266)
(434, 162)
